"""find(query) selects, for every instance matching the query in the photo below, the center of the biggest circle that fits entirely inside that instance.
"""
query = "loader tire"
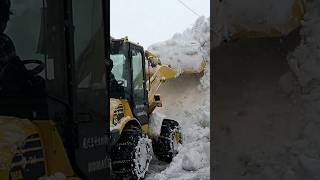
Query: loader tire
(131, 155)
(166, 147)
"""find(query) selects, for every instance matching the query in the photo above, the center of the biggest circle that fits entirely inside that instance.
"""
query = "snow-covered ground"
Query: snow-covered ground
(187, 100)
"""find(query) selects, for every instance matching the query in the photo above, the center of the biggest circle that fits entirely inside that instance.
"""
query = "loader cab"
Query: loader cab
(63, 41)
(129, 80)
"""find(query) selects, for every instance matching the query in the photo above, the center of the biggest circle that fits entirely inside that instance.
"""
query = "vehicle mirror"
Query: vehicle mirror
(157, 100)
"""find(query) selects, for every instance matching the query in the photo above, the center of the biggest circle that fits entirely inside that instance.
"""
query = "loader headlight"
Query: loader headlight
(118, 114)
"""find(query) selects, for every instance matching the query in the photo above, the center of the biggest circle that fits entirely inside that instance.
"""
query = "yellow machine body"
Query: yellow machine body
(121, 115)
(17, 134)
(234, 19)
(120, 111)
(161, 74)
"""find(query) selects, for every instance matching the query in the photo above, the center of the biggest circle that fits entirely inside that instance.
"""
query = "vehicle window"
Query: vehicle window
(36, 29)
(24, 29)
(118, 68)
(89, 43)
(137, 73)
(137, 69)
(120, 77)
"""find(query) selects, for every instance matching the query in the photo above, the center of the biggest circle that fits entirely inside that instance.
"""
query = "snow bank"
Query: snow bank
(305, 60)
(156, 119)
(305, 63)
(187, 101)
(187, 50)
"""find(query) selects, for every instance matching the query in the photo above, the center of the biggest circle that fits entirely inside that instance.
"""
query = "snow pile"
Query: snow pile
(187, 100)
(186, 51)
(192, 162)
(156, 119)
(305, 63)
(305, 60)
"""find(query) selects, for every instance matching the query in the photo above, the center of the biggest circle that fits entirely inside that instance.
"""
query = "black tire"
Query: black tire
(164, 146)
(124, 153)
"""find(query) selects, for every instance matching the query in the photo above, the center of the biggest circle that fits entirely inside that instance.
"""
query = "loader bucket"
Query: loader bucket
(178, 93)
(257, 19)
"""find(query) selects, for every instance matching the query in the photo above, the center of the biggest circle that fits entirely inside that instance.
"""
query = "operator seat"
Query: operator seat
(22, 92)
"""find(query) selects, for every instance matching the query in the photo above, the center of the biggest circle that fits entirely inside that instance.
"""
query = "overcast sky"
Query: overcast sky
(151, 21)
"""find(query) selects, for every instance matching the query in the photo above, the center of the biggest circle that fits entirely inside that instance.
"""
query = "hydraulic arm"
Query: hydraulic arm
(160, 75)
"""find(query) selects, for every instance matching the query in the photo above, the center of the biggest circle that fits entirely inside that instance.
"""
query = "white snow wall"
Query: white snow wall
(305, 64)
(187, 50)
(187, 100)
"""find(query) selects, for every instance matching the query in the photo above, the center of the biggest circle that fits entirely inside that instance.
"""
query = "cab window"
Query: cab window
(137, 73)
(118, 69)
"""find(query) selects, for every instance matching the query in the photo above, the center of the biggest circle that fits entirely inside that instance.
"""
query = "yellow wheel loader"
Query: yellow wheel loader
(53, 101)
(133, 97)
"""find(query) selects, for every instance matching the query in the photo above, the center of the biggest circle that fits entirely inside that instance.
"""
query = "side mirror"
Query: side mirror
(163, 79)
(157, 100)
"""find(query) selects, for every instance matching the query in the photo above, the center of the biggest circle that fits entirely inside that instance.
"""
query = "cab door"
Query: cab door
(138, 84)
(91, 123)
